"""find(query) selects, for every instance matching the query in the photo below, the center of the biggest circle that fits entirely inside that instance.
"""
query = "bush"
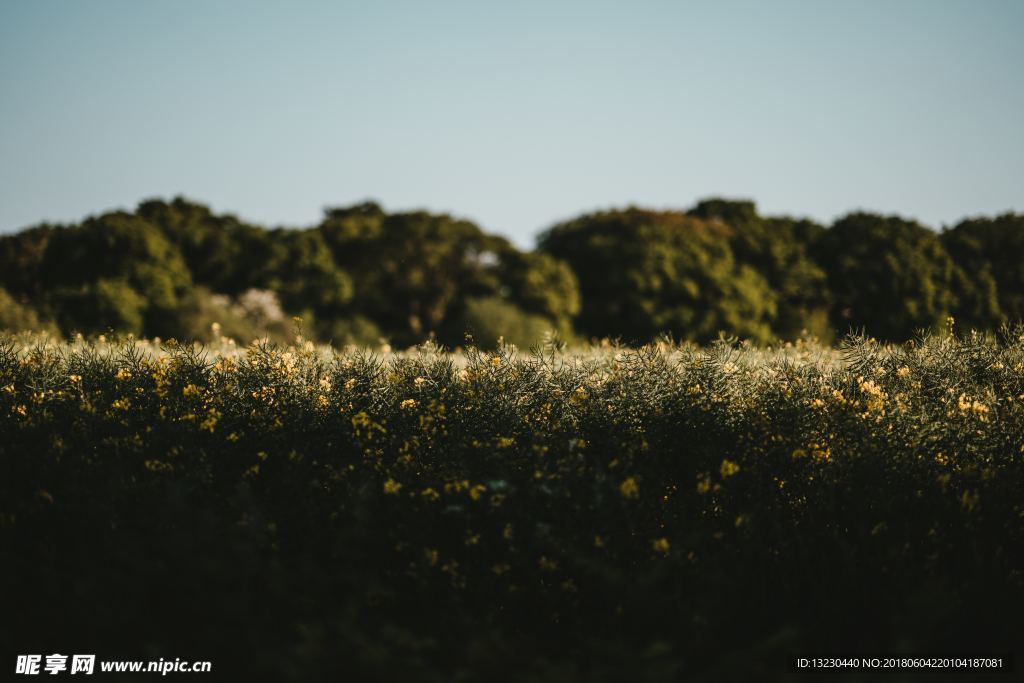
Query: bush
(355, 330)
(207, 317)
(617, 514)
(491, 320)
(102, 306)
(16, 316)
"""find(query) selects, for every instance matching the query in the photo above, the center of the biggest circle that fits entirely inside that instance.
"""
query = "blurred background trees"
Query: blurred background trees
(886, 275)
(989, 254)
(174, 268)
(780, 250)
(642, 273)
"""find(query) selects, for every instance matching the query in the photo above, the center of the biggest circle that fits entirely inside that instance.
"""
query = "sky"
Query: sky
(514, 115)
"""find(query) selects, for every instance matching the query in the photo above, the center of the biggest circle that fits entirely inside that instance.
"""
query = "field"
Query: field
(300, 513)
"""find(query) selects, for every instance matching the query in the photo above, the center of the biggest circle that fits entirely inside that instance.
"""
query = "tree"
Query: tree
(132, 257)
(990, 255)
(21, 259)
(539, 285)
(413, 271)
(780, 250)
(301, 269)
(19, 316)
(490, 319)
(106, 304)
(219, 250)
(642, 273)
(887, 275)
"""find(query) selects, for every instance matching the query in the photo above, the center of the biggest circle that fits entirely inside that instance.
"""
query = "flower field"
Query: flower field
(667, 512)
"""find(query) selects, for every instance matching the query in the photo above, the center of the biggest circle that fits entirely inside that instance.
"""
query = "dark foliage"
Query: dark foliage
(635, 515)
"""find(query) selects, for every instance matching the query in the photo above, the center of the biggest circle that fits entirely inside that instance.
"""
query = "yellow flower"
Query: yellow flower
(660, 545)
(210, 423)
(969, 405)
(629, 488)
(392, 487)
(408, 404)
(871, 389)
(703, 484)
(728, 468)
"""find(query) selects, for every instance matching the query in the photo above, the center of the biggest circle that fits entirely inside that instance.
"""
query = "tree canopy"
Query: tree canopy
(888, 276)
(642, 273)
(175, 267)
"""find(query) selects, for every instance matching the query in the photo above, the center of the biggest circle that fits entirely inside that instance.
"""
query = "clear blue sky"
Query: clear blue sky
(513, 114)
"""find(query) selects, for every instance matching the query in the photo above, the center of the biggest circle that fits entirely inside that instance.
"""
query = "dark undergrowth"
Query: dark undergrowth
(661, 513)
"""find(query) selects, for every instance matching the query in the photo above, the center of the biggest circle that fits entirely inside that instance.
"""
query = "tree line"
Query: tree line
(175, 268)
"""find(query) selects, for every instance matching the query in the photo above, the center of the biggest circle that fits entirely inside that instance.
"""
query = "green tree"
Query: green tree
(345, 228)
(642, 273)
(990, 254)
(779, 248)
(21, 260)
(301, 269)
(418, 273)
(20, 316)
(539, 285)
(887, 275)
(123, 248)
(413, 271)
(219, 250)
(99, 306)
(490, 319)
